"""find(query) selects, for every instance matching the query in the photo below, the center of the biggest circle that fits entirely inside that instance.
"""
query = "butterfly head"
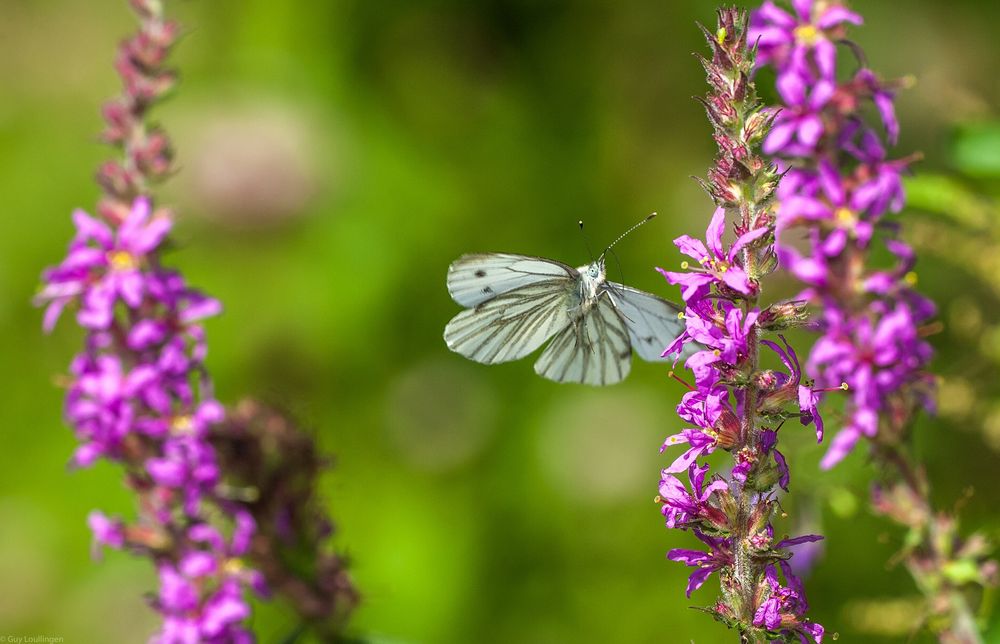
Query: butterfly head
(592, 277)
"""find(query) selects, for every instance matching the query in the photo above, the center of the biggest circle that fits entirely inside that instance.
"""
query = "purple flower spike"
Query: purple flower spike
(139, 394)
(214, 493)
(736, 405)
(837, 194)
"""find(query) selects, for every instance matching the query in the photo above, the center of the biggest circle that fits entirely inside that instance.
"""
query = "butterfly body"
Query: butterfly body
(592, 281)
(517, 303)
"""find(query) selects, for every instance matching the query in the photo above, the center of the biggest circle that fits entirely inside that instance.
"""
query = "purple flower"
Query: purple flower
(801, 42)
(717, 265)
(201, 597)
(880, 187)
(100, 404)
(701, 443)
(188, 465)
(107, 532)
(681, 507)
(783, 607)
(883, 100)
(719, 556)
(733, 401)
(716, 424)
(836, 207)
(789, 387)
(103, 266)
(876, 357)
(799, 125)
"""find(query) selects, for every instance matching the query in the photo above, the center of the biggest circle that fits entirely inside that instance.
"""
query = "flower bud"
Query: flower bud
(784, 315)
(116, 180)
(118, 122)
(154, 155)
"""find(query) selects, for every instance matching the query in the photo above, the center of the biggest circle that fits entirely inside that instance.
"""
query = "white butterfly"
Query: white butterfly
(516, 303)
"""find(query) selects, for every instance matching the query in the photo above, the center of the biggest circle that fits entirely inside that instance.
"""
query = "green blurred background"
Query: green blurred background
(334, 157)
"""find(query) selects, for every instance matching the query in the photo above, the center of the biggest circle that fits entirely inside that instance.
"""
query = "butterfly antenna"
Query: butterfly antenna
(625, 234)
(586, 240)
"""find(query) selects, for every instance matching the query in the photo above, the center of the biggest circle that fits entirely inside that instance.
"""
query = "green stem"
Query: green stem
(961, 627)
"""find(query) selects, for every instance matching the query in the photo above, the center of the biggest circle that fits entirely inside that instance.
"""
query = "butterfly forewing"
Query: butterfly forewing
(511, 325)
(473, 279)
(593, 350)
(652, 322)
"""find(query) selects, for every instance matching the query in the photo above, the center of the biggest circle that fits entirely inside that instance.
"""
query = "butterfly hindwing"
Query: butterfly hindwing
(593, 350)
(652, 321)
(511, 325)
(476, 278)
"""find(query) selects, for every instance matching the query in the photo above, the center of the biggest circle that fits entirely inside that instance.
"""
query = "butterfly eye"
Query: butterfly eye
(593, 271)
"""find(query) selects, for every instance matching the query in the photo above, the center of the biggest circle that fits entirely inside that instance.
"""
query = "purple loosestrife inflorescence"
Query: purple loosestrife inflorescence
(226, 501)
(736, 405)
(839, 187)
(138, 393)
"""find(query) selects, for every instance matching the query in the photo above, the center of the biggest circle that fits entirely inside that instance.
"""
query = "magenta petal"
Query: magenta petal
(131, 286)
(716, 228)
(687, 557)
(826, 58)
(784, 477)
(887, 111)
(794, 541)
(52, 312)
(779, 137)
(696, 580)
(736, 279)
(792, 89)
(745, 239)
(804, 9)
(832, 182)
(805, 208)
(86, 454)
(835, 15)
(769, 37)
(166, 472)
(85, 257)
(149, 237)
(136, 218)
(221, 613)
(199, 309)
(684, 461)
(146, 333)
(821, 94)
(89, 228)
(840, 447)
(810, 130)
(692, 247)
(198, 564)
(771, 12)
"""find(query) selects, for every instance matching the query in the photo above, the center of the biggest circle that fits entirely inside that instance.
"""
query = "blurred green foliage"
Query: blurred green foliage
(334, 156)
